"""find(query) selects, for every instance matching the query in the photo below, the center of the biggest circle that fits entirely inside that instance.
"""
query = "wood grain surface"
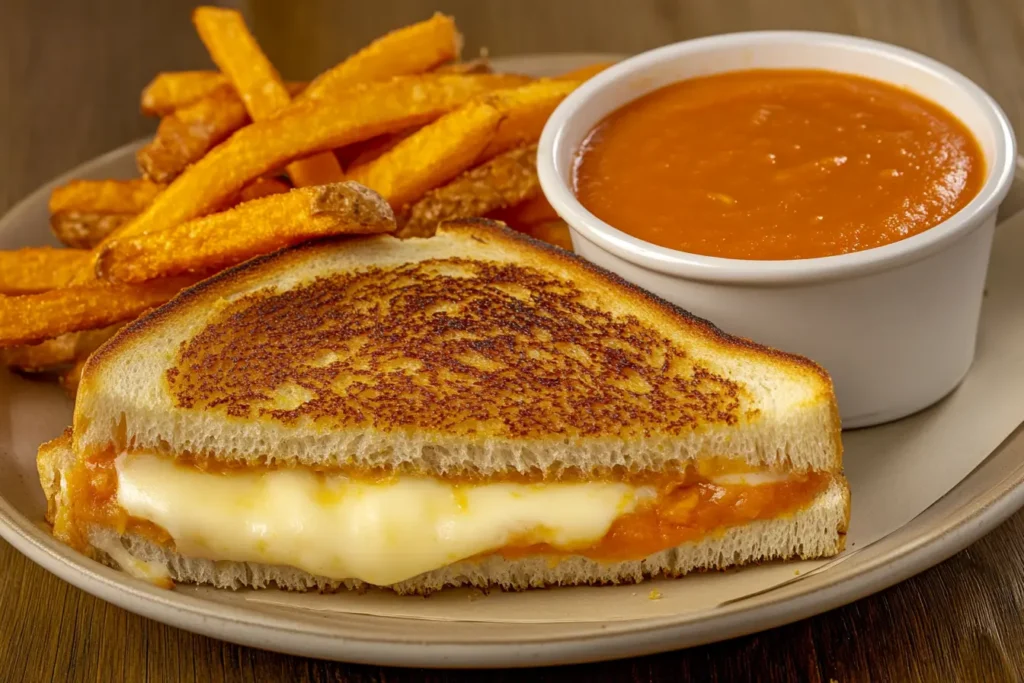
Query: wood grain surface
(70, 76)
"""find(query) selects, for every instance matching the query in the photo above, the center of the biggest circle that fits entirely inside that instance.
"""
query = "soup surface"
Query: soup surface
(777, 164)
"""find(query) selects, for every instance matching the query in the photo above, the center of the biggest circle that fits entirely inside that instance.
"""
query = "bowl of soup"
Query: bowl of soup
(825, 195)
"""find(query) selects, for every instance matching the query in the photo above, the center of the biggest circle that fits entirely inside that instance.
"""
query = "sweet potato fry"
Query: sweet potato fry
(410, 50)
(438, 152)
(53, 353)
(86, 230)
(526, 110)
(235, 51)
(176, 89)
(83, 212)
(42, 356)
(189, 133)
(258, 227)
(173, 90)
(585, 72)
(366, 151)
(33, 318)
(505, 180)
(552, 232)
(431, 156)
(305, 127)
(530, 212)
(39, 269)
(319, 169)
(104, 196)
(262, 187)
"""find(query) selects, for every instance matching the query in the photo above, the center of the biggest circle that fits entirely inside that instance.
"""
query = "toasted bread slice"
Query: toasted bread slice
(478, 351)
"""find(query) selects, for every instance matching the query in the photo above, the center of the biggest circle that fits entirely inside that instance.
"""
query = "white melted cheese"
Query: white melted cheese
(342, 528)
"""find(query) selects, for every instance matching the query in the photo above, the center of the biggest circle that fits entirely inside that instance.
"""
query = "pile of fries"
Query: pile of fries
(243, 164)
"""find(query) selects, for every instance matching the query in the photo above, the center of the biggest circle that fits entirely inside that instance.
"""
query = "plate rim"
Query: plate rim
(278, 632)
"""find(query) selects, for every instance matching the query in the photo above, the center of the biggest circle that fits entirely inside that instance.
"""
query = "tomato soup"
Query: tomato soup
(777, 164)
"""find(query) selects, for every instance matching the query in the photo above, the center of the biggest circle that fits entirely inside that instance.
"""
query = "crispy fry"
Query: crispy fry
(432, 155)
(86, 230)
(552, 232)
(438, 152)
(238, 55)
(262, 187)
(257, 227)
(526, 111)
(38, 269)
(301, 129)
(52, 353)
(585, 72)
(410, 50)
(73, 377)
(83, 212)
(366, 151)
(530, 212)
(189, 133)
(104, 196)
(319, 169)
(34, 318)
(43, 356)
(173, 90)
(504, 181)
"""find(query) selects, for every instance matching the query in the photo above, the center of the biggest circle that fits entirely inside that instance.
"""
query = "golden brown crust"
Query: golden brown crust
(422, 345)
(646, 385)
(645, 299)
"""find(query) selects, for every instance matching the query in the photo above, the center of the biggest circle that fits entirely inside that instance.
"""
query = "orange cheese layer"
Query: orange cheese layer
(91, 496)
(683, 513)
(685, 506)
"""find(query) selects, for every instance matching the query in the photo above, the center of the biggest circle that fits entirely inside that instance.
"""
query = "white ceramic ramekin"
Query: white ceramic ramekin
(895, 326)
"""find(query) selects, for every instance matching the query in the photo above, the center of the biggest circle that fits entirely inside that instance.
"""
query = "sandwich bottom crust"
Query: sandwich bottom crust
(816, 531)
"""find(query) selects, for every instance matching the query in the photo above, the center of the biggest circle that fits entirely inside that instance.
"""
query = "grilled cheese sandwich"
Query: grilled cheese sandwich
(471, 408)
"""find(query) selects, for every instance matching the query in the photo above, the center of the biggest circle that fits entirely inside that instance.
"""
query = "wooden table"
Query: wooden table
(70, 75)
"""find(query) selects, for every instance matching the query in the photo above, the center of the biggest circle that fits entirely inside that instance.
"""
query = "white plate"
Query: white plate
(31, 412)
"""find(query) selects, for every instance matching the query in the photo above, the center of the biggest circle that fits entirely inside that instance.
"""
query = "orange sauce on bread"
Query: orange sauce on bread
(778, 164)
(692, 513)
(688, 507)
(92, 501)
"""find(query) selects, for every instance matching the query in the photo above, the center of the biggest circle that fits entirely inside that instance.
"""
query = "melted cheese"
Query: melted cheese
(380, 532)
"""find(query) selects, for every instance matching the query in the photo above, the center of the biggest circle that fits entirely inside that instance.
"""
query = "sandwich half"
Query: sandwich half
(474, 408)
